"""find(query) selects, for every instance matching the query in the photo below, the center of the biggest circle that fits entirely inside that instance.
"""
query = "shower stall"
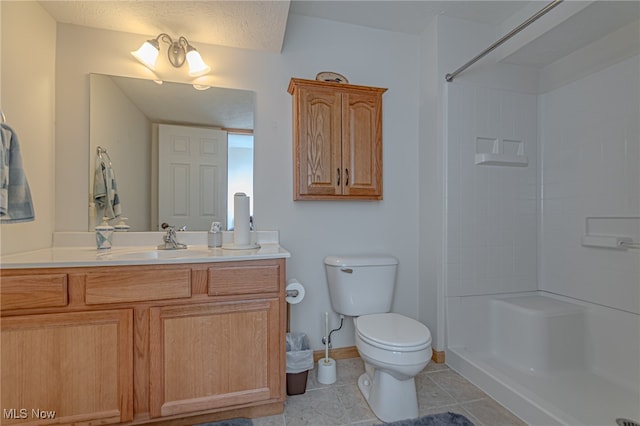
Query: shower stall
(541, 262)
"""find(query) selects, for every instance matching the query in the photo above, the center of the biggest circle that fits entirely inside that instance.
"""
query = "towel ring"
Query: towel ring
(4, 119)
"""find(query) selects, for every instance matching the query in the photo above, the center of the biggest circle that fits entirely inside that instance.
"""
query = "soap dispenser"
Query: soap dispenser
(104, 234)
(122, 226)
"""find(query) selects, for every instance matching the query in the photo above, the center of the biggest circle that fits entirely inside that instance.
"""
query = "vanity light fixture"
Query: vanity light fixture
(179, 51)
(201, 87)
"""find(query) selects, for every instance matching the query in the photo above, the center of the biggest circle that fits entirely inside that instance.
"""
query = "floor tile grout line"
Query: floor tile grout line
(445, 391)
(459, 404)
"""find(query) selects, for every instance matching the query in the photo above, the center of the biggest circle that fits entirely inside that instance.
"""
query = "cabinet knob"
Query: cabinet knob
(346, 183)
(338, 170)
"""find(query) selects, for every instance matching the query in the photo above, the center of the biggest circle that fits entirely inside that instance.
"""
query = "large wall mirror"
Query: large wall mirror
(179, 152)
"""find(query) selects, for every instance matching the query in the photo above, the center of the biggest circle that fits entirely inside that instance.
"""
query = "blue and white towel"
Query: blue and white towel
(16, 204)
(105, 191)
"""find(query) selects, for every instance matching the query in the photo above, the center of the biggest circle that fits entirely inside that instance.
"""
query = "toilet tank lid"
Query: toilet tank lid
(362, 260)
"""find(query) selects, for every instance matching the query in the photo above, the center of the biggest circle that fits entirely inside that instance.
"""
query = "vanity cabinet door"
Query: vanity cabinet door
(215, 355)
(67, 368)
(337, 140)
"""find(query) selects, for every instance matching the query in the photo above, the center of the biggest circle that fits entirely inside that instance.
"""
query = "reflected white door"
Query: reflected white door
(192, 176)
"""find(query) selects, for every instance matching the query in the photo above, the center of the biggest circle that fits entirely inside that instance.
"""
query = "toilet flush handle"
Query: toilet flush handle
(347, 270)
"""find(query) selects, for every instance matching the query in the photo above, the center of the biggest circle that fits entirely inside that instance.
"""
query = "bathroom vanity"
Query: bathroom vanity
(136, 337)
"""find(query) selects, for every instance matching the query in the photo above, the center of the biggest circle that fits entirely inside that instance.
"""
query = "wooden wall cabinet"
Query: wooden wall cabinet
(337, 140)
(171, 344)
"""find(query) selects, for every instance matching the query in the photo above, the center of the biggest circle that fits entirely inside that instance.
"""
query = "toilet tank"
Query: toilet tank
(361, 285)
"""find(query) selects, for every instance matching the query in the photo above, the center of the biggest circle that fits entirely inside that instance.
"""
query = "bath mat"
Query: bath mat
(230, 422)
(442, 419)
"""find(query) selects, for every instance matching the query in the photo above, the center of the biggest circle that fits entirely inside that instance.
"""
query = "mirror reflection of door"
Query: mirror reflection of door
(192, 176)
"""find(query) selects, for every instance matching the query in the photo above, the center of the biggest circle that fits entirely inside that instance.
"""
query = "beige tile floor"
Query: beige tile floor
(439, 389)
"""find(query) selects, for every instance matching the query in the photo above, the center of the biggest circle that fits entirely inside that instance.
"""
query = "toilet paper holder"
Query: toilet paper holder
(294, 292)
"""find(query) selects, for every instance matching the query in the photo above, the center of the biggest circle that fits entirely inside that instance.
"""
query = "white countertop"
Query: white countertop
(72, 250)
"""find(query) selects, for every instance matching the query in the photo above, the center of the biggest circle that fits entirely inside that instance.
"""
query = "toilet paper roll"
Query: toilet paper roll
(241, 231)
(294, 286)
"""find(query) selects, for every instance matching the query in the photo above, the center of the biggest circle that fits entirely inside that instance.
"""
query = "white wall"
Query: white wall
(431, 189)
(27, 101)
(312, 230)
(118, 126)
(309, 230)
(590, 154)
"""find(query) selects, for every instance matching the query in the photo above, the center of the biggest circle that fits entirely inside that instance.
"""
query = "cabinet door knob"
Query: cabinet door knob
(338, 170)
(346, 183)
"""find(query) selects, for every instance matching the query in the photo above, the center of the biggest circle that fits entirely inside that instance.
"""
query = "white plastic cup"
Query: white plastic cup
(215, 239)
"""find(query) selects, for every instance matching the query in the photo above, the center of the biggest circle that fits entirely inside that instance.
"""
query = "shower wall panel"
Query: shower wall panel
(491, 210)
(590, 167)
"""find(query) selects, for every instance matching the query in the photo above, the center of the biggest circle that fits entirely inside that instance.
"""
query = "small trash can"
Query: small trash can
(299, 362)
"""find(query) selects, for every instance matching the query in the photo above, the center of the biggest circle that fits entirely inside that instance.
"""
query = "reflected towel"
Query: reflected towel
(16, 204)
(105, 191)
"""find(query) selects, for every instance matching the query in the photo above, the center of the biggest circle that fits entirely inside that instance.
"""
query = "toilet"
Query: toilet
(394, 348)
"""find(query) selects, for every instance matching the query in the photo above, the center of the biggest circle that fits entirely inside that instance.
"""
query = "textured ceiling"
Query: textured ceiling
(256, 25)
(406, 16)
(260, 25)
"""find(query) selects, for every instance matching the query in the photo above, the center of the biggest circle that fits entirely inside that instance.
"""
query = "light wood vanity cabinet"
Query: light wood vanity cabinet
(68, 368)
(213, 355)
(106, 346)
(337, 140)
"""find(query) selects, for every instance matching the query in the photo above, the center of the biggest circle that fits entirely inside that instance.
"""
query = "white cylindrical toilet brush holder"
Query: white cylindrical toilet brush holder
(326, 365)
(326, 371)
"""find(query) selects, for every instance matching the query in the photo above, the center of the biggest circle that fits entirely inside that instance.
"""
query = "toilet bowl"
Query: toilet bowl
(395, 349)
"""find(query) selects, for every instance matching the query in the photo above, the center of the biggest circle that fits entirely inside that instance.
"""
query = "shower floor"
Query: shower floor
(577, 397)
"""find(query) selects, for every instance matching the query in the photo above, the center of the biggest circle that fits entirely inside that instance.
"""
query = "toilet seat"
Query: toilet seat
(393, 332)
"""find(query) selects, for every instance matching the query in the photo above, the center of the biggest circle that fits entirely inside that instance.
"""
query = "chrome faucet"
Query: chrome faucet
(171, 239)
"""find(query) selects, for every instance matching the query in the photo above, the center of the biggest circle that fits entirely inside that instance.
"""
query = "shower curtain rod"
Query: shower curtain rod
(516, 30)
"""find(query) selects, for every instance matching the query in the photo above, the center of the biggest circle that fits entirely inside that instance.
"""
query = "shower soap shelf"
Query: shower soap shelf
(613, 232)
(608, 241)
(500, 152)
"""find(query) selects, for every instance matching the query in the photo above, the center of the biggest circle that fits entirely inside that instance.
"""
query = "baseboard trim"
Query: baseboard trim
(338, 353)
(437, 356)
(352, 352)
